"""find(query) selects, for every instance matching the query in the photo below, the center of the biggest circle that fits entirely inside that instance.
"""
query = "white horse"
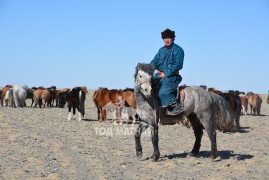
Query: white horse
(9, 98)
(19, 95)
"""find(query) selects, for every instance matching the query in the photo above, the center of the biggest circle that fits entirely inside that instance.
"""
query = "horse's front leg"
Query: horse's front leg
(141, 128)
(103, 115)
(120, 115)
(155, 141)
(98, 113)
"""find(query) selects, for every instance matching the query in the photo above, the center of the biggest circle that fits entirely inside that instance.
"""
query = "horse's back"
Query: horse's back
(19, 92)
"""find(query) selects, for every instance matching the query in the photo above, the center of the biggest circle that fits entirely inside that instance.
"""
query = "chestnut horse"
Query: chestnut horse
(244, 103)
(130, 104)
(41, 95)
(254, 101)
(105, 99)
(3, 94)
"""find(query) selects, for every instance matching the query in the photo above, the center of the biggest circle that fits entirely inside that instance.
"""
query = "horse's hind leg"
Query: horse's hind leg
(74, 110)
(141, 128)
(80, 113)
(198, 132)
(32, 102)
(69, 113)
(213, 139)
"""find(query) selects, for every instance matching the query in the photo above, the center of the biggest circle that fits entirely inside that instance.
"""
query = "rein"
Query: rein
(142, 82)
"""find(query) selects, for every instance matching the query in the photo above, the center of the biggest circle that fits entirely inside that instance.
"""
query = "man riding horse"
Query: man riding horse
(168, 61)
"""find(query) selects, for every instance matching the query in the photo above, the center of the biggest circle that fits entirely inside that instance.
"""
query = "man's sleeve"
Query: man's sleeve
(176, 65)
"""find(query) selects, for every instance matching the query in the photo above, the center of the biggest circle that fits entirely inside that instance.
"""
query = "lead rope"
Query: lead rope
(159, 120)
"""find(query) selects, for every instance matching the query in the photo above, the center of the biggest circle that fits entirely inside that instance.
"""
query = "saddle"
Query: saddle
(166, 119)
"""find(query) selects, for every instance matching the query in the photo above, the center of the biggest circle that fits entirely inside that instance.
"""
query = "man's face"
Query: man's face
(167, 41)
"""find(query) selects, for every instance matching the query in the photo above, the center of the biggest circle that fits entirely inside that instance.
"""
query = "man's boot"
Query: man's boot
(175, 109)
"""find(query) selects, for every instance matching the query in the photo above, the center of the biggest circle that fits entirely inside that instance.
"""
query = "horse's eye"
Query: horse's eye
(146, 89)
(140, 76)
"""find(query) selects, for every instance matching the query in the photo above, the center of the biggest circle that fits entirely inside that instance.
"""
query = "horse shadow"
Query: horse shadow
(241, 130)
(225, 154)
(89, 120)
(254, 115)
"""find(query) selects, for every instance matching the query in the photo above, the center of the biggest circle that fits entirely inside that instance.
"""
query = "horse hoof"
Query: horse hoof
(154, 158)
(139, 155)
(216, 159)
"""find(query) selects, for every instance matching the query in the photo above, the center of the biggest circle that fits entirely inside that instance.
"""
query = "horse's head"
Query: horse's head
(143, 77)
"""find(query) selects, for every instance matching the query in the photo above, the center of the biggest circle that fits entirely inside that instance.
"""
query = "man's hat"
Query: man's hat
(168, 34)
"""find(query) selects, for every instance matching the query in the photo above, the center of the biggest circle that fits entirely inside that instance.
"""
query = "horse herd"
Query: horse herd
(112, 100)
(204, 108)
(74, 98)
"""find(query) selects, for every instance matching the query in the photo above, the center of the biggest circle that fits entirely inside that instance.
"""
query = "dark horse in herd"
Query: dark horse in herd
(204, 110)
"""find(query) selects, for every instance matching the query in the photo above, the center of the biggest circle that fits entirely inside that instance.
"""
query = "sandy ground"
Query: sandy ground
(42, 144)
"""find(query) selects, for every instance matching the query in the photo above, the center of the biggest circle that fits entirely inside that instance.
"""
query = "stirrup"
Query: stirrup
(177, 112)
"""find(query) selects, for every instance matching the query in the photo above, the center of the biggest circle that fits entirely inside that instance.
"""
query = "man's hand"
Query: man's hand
(162, 76)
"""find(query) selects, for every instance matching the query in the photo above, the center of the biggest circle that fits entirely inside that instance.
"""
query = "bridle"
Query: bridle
(142, 82)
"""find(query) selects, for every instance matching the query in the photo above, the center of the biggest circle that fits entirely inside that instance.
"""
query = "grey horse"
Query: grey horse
(19, 95)
(203, 110)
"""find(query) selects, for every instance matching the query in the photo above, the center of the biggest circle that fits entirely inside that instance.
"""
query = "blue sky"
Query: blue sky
(98, 43)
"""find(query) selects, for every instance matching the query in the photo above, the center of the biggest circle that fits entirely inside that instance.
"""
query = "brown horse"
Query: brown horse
(30, 95)
(101, 98)
(41, 95)
(244, 103)
(75, 99)
(61, 97)
(3, 94)
(130, 102)
(52, 91)
(105, 99)
(234, 101)
(254, 101)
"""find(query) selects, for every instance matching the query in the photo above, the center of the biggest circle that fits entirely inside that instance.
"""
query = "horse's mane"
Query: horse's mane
(128, 89)
(100, 88)
(147, 68)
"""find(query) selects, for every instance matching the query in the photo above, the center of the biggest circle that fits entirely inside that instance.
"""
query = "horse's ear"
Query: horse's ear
(138, 66)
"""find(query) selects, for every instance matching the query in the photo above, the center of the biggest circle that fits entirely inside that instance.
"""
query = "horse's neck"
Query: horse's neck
(140, 97)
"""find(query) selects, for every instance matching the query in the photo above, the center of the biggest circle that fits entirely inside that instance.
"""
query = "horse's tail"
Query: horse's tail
(82, 98)
(246, 104)
(258, 104)
(94, 97)
(222, 114)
